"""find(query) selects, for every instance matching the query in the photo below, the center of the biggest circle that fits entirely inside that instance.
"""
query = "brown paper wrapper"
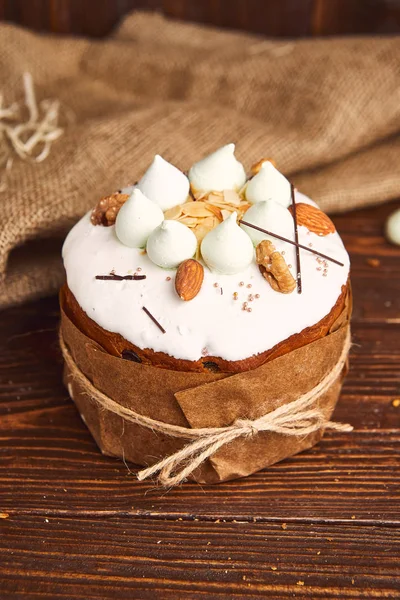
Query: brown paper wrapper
(199, 400)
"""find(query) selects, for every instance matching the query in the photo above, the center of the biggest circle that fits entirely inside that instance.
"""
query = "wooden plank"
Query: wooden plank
(338, 17)
(32, 14)
(288, 18)
(132, 558)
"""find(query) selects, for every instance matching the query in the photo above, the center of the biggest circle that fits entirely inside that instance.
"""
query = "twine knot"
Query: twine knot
(300, 417)
(249, 427)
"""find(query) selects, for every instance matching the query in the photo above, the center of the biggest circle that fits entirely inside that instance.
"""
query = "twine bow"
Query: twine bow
(298, 418)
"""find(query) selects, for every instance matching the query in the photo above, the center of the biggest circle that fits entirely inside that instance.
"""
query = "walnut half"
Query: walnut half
(106, 210)
(274, 269)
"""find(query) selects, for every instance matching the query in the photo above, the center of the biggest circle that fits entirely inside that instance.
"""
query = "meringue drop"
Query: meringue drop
(271, 216)
(170, 244)
(218, 172)
(227, 249)
(164, 184)
(269, 184)
(137, 218)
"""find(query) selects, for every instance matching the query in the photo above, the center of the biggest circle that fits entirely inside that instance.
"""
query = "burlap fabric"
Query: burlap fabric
(328, 112)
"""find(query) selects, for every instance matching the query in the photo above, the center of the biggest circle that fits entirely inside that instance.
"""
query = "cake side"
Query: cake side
(116, 345)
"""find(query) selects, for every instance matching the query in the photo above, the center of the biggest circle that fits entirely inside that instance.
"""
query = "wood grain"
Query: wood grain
(138, 558)
(290, 18)
(79, 525)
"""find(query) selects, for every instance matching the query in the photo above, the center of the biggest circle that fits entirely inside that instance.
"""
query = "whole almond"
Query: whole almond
(189, 278)
(314, 219)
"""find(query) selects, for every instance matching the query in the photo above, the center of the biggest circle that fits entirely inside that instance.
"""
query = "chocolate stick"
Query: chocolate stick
(296, 239)
(148, 313)
(120, 277)
(279, 237)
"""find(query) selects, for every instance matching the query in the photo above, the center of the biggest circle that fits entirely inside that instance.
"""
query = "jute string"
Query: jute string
(298, 418)
(25, 135)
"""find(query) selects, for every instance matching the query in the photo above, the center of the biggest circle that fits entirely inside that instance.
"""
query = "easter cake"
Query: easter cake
(212, 270)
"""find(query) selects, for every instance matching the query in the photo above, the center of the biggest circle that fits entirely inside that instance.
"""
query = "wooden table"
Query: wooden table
(324, 524)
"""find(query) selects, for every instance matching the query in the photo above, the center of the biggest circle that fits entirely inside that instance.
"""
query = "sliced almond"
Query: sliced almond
(188, 221)
(196, 209)
(215, 210)
(232, 197)
(215, 197)
(222, 205)
(173, 213)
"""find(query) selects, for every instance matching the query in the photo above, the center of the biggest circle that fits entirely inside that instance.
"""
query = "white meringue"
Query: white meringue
(170, 244)
(137, 218)
(269, 184)
(392, 227)
(164, 184)
(219, 171)
(271, 216)
(227, 249)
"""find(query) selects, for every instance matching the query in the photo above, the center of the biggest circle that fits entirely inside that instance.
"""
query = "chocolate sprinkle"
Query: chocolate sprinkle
(114, 277)
(296, 239)
(131, 355)
(279, 237)
(148, 313)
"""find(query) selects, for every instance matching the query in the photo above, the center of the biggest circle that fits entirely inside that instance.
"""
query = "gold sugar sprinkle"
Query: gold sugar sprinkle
(168, 279)
(241, 283)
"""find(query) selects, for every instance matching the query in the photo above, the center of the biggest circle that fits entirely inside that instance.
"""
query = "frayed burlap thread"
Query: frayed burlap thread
(298, 418)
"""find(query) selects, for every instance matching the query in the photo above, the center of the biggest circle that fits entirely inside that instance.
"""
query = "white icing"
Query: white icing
(136, 220)
(164, 184)
(218, 172)
(227, 249)
(170, 244)
(271, 216)
(269, 184)
(212, 321)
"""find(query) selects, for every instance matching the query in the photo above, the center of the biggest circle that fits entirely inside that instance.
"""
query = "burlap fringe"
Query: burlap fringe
(29, 138)
(300, 418)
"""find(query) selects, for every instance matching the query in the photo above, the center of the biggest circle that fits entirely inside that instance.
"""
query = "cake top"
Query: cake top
(212, 263)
